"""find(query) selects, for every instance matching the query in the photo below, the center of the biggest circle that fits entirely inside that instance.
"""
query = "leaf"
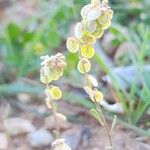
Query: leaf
(13, 31)
(96, 115)
(114, 123)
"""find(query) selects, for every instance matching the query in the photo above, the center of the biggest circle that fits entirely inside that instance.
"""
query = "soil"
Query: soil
(91, 136)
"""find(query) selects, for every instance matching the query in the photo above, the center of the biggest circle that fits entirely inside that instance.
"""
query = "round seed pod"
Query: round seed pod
(94, 13)
(79, 28)
(87, 51)
(84, 65)
(55, 93)
(88, 38)
(98, 33)
(98, 96)
(90, 26)
(85, 10)
(73, 44)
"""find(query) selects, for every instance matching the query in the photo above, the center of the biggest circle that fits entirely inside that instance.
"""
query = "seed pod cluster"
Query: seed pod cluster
(96, 17)
(52, 67)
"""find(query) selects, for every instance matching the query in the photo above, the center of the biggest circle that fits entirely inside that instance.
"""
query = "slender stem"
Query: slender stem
(104, 124)
(54, 113)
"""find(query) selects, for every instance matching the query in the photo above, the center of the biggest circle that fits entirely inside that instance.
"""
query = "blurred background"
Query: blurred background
(30, 29)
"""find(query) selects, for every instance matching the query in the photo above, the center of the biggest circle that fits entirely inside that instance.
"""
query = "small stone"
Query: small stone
(72, 138)
(17, 126)
(40, 138)
(23, 97)
(50, 123)
(3, 141)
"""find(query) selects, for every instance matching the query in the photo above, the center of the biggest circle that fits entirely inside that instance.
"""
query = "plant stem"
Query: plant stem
(54, 113)
(103, 123)
(105, 126)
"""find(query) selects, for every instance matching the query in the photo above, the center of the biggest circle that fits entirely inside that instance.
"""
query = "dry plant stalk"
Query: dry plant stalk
(96, 17)
(52, 69)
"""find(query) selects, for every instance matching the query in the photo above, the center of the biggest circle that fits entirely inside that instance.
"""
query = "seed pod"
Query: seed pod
(85, 10)
(88, 38)
(95, 2)
(55, 93)
(93, 80)
(73, 44)
(98, 96)
(107, 25)
(98, 33)
(90, 26)
(94, 13)
(88, 90)
(45, 76)
(84, 65)
(79, 30)
(87, 51)
(104, 18)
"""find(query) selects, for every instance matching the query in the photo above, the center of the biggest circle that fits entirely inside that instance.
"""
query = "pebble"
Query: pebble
(50, 123)
(72, 137)
(3, 141)
(16, 126)
(40, 138)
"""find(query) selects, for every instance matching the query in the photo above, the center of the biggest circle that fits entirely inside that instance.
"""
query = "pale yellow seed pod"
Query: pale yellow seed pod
(85, 10)
(45, 79)
(94, 13)
(73, 44)
(84, 65)
(95, 2)
(88, 38)
(55, 93)
(107, 25)
(87, 51)
(105, 1)
(79, 28)
(90, 26)
(104, 18)
(110, 12)
(45, 75)
(98, 96)
(98, 33)
(60, 72)
(93, 80)
(54, 75)
(89, 91)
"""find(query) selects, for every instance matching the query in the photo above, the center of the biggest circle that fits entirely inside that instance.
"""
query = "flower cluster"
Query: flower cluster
(96, 17)
(52, 67)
